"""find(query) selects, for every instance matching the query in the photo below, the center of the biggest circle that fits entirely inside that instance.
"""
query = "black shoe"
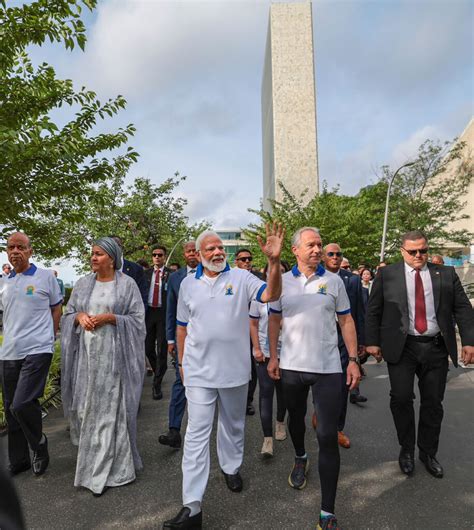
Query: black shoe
(15, 469)
(250, 410)
(432, 465)
(297, 478)
(357, 398)
(157, 393)
(41, 457)
(171, 438)
(406, 461)
(184, 520)
(234, 482)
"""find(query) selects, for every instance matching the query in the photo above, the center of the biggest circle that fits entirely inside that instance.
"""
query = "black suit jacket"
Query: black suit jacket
(354, 292)
(135, 271)
(174, 284)
(387, 311)
(164, 284)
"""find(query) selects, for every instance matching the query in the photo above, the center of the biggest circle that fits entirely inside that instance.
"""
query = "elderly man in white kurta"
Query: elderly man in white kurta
(212, 340)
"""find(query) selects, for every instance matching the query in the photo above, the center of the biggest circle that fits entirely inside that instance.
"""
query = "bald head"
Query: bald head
(332, 257)
(19, 251)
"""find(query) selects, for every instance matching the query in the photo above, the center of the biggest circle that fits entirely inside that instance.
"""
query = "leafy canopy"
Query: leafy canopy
(49, 174)
(427, 196)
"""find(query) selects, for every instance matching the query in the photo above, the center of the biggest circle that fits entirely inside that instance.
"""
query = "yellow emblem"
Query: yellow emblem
(30, 290)
(323, 288)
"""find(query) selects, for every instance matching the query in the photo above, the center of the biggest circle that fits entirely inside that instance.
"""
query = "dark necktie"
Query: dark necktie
(192, 271)
(420, 307)
(156, 289)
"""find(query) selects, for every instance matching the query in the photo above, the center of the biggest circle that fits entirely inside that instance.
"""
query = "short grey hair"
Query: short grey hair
(203, 235)
(189, 242)
(296, 238)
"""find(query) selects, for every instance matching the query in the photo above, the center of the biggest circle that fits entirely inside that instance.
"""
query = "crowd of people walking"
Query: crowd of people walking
(296, 328)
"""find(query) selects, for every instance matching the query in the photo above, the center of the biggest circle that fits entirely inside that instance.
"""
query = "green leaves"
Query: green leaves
(427, 196)
(49, 174)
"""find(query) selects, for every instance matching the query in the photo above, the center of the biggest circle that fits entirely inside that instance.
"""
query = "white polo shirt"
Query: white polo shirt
(309, 307)
(216, 314)
(26, 300)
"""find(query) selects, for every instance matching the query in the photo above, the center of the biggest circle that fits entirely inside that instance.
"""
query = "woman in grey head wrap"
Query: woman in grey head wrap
(103, 363)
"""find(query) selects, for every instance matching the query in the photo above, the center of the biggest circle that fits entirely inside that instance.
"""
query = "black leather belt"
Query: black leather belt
(425, 338)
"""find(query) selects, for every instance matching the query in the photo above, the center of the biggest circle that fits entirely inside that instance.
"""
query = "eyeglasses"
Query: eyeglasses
(157, 254)
(246, 258)
(345, 267)
(413, 253)
(331, 254)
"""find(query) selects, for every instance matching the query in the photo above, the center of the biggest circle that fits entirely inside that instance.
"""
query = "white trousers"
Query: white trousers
(232, 403)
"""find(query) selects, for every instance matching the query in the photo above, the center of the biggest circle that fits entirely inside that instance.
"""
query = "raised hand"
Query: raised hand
(274, 241)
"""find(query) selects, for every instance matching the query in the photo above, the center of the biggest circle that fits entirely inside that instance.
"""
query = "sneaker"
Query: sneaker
(328, 523)
(267, 447)
(297, 478)
(280, 431)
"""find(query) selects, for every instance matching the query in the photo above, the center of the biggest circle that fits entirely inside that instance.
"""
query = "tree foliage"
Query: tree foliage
(427, 196)
(142, 215)
(49, 174)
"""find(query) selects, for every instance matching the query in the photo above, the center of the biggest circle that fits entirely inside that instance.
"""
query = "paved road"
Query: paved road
(372, 494)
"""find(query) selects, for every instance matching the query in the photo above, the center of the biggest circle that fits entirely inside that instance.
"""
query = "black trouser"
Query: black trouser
(326, 390)
(23, 384)
(265, 399)
(253, 381)
(156, 348)
(344, 387)
(429, 361)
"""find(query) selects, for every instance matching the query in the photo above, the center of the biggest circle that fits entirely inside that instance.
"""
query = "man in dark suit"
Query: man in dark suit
(178, 396)
(155, 318)
(134, 270)
(332, 262)
(410, 321)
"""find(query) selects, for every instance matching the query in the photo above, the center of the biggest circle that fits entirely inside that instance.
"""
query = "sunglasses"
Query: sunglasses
(331, 254)
(246, 258)
(157, 255)
(414, 252)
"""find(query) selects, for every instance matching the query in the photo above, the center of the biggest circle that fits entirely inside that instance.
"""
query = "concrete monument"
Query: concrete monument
(290, 153)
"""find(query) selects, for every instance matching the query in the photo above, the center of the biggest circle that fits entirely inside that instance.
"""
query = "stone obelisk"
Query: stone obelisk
(290, 153)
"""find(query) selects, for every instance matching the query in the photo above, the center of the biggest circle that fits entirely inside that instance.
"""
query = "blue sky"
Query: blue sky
(389, 74)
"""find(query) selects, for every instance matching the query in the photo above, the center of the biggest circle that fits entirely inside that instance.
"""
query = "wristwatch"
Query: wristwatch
(355, 360)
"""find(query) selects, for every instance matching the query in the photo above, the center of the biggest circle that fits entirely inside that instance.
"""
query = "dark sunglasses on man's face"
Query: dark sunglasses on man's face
(157, 255)
(414, 252)
(246, 258)
(332, 254)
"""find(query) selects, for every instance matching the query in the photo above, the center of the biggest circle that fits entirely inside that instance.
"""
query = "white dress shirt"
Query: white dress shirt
(432, 323)
(152, 287)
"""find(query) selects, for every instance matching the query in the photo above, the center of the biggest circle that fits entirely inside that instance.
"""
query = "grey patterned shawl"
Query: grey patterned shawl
(129, 342)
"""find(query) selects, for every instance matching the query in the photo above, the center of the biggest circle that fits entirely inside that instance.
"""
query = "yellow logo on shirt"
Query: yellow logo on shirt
(323, 289)
(228, 290)
(30, 290)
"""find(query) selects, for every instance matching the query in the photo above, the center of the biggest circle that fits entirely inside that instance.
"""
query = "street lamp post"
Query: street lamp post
(385, 220)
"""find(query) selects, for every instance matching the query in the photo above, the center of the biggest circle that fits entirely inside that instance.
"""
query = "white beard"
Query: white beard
(214, 267)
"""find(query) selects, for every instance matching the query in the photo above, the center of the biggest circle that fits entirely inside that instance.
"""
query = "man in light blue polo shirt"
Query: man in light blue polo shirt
(311, 300)
(31, 302)
(213, 340)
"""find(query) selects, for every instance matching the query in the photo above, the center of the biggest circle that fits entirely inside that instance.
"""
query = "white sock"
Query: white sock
(326, 514)
(195, 507)
(305, 456)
